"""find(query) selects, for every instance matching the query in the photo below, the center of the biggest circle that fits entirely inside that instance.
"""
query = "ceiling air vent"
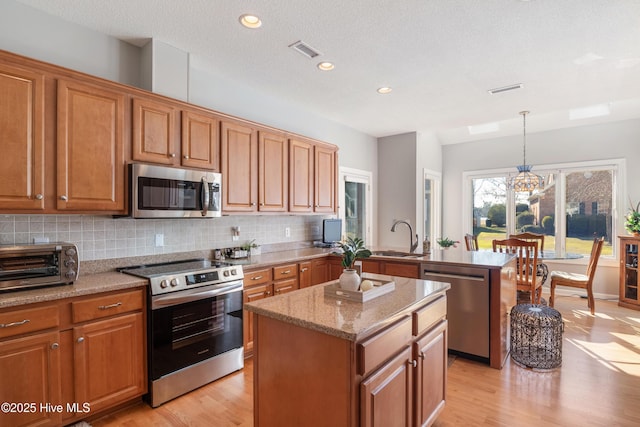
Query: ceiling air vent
(304, 49)
(505, 88)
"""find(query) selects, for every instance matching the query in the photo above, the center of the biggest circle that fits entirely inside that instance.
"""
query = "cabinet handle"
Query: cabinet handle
(302, 270)
(54, 346)
(65, 198)
(39, 196)
(186, 157)
(286, 272)
(80, 339)
(8, 325)
(412, 363)
(106, 307)
(256, 278)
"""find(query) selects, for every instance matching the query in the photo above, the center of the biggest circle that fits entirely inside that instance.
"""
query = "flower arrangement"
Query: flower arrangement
(446, 242)
(352, 249)
(632, 220)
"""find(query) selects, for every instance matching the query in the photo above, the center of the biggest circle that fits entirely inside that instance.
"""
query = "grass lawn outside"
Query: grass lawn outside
(486, 235)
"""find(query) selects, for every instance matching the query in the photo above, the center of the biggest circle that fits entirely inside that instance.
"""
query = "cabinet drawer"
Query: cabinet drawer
(285, 271)
(284, 286)
(23, 321)
(106, 305)
(257, 277)
(373, 351)
(427, 316)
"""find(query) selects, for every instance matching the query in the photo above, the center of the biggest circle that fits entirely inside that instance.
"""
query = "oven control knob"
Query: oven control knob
(234, 272)
(69, 262)
(70, 252)
(70, 274)
(225, 273)
(164, 283)
(174, 283)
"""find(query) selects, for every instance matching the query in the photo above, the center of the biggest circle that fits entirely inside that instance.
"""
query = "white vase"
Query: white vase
(349, 280)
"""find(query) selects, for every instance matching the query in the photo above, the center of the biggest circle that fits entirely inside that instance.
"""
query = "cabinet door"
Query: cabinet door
(386, 396)
(90, 143)
(251, 294)
(325, 177)
(239, 168)
(370, 266)
(273, 165)
(335, 268)
(430, 352)
(154, 136)
(304, 274)
(629, 279)
(109, 361)
(284, 286)
(319, 271)
(411, 270)
(300, 176)
(200, 141)
(22, 136)
(30, 373)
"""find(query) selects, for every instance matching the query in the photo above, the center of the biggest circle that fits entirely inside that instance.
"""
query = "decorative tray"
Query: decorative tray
(380, 287)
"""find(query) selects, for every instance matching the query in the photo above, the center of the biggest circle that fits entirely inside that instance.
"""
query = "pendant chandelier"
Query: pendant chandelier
(525, 181)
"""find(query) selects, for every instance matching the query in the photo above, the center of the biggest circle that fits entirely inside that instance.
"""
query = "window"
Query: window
(355, 203)
(577, 204)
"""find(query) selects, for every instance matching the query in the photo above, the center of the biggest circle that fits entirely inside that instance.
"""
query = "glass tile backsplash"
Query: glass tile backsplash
(103, 237)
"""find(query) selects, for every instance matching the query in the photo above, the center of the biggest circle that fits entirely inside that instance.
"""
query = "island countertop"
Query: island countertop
(311, 309)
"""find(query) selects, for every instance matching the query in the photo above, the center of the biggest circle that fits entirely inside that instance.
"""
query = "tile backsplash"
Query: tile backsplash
(104, 237)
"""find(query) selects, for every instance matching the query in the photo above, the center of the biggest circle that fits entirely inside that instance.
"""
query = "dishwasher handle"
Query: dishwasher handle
(431, 274)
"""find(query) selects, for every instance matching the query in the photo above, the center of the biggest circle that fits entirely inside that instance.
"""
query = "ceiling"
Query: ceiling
(439, 56)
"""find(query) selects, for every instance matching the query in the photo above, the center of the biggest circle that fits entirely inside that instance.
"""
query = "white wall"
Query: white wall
(595, 142)
(28, 32)
(428, 156)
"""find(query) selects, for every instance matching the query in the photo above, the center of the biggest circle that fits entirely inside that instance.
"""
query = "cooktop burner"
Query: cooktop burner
(181, 275)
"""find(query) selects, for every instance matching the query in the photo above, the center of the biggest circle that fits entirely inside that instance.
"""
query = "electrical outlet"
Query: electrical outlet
(315, 230)
(159, 240)
(287, 232)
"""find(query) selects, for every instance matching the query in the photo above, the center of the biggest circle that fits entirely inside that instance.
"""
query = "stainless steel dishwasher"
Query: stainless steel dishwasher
(467, 307)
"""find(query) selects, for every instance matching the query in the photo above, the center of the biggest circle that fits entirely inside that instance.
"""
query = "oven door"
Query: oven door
(192, 326)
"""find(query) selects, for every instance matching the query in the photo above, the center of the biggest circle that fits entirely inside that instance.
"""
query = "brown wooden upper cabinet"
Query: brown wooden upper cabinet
(154, 132)
(200, 141)
(22, 136)
(91, 160)
(239, 149)
(273, 172)
(312, 177)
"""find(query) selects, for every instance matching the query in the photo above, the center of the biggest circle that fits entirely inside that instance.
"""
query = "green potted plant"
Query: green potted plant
(632, 220)
(352, 249)
(446, 243)
(251, 247)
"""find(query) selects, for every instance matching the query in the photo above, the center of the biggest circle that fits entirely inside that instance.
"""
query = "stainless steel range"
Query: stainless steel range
(194, 325)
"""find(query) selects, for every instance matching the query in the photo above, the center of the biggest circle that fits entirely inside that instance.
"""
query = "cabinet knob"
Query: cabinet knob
(39, 196)
(268, 292)
(80, 339)
(54, 346)
(412, 363)
(172, 155)
(63, 197)
(253, 203)
(186, 157)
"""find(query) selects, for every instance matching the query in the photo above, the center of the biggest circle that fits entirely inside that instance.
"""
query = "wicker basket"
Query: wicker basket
(536, 336)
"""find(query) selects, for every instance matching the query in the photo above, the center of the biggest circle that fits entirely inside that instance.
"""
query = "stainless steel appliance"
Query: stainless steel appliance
(194, 325)
(164, 192)
(467, 308)
(43, 264)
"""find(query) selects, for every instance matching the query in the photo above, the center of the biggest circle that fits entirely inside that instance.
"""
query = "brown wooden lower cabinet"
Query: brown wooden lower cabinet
(394, 377)
(87, 366)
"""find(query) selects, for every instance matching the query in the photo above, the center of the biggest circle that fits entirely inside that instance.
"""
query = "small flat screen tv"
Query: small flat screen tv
(331, 230)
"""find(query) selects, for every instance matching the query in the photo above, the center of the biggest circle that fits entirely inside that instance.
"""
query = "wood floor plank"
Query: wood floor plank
(598, 384)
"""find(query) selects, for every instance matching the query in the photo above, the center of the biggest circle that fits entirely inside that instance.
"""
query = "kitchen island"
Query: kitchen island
(322, 361)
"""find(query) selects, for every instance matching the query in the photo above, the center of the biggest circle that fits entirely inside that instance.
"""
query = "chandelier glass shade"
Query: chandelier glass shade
(525, 180)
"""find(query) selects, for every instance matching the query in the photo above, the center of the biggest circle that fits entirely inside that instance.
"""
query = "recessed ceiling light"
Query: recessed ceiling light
(384, 90)
(250, 21)
(326, 66)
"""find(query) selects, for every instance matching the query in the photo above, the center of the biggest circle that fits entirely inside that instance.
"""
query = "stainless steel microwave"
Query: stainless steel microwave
(164, 192)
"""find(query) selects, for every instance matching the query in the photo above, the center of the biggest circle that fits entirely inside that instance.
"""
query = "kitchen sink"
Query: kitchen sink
(395, 254)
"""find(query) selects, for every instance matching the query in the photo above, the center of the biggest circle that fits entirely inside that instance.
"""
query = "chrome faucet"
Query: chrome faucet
(412, 245)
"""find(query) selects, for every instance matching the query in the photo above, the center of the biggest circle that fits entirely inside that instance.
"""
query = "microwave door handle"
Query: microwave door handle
(205, 199)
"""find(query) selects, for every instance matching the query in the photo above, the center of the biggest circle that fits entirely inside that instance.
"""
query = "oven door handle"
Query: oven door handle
(195, 295)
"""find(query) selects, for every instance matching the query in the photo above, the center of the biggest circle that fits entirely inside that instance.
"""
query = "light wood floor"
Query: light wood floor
(597, 385)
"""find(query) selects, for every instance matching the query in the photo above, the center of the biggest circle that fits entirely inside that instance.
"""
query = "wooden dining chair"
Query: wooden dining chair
(471, 241)
(542, 270)
(576, 280)
(527, 259)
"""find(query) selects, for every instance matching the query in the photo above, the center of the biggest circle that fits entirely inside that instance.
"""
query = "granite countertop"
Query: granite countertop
(310, 308)
(85, 285)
